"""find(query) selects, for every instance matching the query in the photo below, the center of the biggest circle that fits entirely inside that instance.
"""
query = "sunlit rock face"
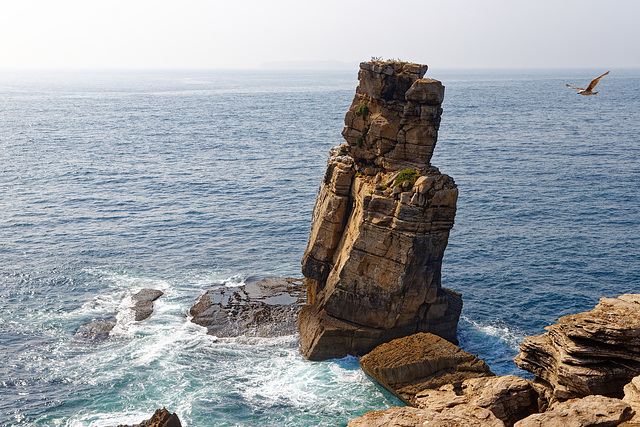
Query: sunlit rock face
(595, 352)
(381, 222)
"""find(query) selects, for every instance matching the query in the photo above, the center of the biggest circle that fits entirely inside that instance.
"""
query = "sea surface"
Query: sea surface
(187, 180)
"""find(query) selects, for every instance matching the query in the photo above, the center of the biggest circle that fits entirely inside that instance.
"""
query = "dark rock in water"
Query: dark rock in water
(161, 418)
(143, 302)
(142, 308)
(265, 308)
(97, 329)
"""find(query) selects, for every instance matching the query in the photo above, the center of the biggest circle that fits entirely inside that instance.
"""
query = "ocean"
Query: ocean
(187, 180)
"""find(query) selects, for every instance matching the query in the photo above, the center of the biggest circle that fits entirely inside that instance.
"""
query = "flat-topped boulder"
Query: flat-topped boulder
(267, 307)
(381, 222)
(596, 352)
(458, 416)
(409, 365)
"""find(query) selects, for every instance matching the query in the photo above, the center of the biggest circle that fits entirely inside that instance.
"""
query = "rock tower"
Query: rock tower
(381, 222)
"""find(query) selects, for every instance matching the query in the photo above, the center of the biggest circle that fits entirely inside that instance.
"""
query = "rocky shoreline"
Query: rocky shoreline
(372, 289)
(593, 382)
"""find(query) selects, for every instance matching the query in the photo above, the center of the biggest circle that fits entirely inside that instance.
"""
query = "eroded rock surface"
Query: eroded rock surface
(509, 398)
(381, 222)
(632, 397)
(589, 411)
(459, 416)
(596, 352)
(407, 366)
(266, 308)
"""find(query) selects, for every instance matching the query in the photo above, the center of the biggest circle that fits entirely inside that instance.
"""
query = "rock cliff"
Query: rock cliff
(381, 222)
(596, 352)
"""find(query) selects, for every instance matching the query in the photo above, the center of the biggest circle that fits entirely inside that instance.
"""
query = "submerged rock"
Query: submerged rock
(97, 329)
(381, 222)
(161, 418)
(142, 308)
(406, 366)
(265, 308)
(596, 352)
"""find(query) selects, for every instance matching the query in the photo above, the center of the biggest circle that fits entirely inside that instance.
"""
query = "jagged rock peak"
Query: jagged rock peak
(381, 222)
(394, 118)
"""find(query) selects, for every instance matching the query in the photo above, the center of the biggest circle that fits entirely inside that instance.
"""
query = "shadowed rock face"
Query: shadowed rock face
(381, 222)
(596, 352)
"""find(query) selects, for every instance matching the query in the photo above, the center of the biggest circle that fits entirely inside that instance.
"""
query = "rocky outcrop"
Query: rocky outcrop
(458, 416)
(161, 418)
(381, 222)
(595, 352)
(632, 397)
(509, 398)
(143, 303)
(266, 308)
(590, 411)
(406, 366)
(97, 330)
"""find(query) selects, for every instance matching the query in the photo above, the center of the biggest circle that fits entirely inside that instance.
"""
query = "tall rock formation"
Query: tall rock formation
(381, 222)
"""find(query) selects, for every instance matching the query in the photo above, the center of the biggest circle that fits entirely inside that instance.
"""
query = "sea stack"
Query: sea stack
(381, 222)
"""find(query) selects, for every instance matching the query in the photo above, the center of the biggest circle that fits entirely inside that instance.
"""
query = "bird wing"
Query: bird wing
(595, 81)
(573, 87)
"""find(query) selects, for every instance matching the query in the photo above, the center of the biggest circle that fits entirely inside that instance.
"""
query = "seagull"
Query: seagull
(589, 89)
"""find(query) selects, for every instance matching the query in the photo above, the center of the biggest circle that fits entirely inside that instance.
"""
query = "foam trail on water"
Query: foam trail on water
(496, 341)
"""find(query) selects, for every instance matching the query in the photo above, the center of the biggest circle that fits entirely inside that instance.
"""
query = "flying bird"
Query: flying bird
(589, 89)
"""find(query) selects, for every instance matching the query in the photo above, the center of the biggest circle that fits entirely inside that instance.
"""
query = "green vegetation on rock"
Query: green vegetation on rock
(363, 110)
(409, 175)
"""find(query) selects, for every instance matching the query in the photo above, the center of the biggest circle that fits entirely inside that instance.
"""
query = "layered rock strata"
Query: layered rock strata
(589, 411)
(381, 222)
(509, 398)
(266, 308)
(595, 352)
(458, 416)
(632, 397)
(409, 365)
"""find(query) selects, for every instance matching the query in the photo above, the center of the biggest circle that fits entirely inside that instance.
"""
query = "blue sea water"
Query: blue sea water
(186, 180)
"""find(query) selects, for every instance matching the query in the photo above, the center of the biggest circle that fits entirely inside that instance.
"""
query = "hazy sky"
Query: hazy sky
(246, 33)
